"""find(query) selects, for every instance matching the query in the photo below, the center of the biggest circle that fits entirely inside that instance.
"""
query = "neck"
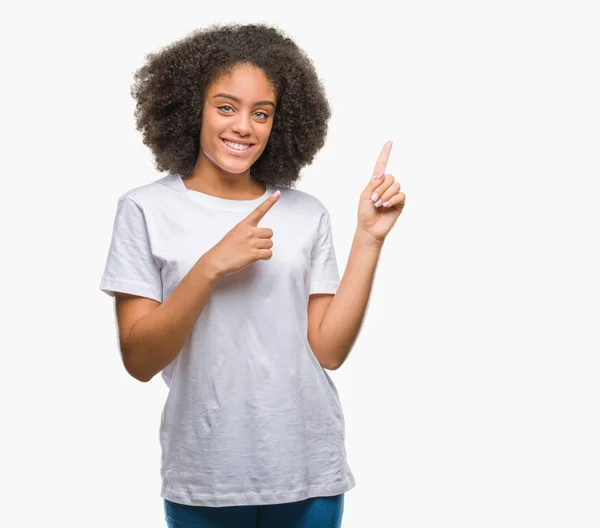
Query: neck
(211, 179)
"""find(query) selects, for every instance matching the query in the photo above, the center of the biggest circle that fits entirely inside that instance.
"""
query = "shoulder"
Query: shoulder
(149, 194)
(305, 202)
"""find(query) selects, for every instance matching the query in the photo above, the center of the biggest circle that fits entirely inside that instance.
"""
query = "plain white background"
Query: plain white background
(471, 396)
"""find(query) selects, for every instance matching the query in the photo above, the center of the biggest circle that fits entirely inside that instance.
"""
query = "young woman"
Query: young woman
(226, 282)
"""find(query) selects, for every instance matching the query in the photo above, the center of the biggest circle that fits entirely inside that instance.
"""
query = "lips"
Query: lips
(235, 152)
(237, 141)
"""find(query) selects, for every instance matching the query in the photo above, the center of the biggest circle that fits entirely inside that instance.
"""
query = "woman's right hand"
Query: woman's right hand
(245, 243)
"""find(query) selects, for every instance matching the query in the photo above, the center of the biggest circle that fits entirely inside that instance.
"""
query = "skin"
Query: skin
(217, 172)
(381, 202)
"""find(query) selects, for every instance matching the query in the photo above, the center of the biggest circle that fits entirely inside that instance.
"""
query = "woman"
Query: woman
(241, 320)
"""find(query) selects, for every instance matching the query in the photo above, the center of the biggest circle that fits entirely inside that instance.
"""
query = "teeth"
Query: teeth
(237, 146)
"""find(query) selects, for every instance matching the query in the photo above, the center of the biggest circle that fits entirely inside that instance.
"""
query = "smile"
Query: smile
(237, 149)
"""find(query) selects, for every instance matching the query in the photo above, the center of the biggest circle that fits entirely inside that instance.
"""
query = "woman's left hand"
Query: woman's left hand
(381, 202)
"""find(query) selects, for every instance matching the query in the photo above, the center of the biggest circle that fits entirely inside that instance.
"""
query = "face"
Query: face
(237, 118)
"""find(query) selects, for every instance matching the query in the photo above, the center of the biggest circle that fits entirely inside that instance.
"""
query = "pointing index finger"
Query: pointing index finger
(383, 158)
(256, 216)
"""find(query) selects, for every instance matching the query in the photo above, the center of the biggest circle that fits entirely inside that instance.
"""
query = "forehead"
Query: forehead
(245, 81)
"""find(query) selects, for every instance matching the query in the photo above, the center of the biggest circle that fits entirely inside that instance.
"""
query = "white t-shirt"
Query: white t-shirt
(251, 417)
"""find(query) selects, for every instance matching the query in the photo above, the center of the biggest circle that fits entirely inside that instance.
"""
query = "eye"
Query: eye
(264, 115)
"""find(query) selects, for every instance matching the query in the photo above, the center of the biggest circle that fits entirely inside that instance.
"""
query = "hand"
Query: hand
(244, 244)
(377, 217)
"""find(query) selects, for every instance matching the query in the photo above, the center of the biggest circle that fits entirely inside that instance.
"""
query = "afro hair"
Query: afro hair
(169, 90)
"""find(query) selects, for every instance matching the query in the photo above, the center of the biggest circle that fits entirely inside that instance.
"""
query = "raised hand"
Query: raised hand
(245, 243)
(381, 202)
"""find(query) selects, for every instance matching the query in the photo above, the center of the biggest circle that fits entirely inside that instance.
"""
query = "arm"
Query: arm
(155, 339)
(334, 328)
(380, 205)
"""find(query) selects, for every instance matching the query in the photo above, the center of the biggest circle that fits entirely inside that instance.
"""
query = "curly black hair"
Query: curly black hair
(170, 88)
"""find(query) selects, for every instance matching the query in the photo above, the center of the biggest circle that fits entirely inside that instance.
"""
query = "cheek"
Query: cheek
(209, 134)
(212, 124)
(266, 134)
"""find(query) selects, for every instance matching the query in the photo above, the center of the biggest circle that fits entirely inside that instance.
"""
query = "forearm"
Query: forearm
(157, 338)
(343, 318)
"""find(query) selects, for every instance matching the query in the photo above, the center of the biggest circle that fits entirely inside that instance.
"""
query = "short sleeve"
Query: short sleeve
(130, 265)
(324, 274)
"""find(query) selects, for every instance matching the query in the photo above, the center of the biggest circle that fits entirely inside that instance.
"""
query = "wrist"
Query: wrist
(366, 239)
(209, 269)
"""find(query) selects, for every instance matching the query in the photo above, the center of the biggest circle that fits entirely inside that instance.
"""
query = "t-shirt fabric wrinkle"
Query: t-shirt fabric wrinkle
(250, 417)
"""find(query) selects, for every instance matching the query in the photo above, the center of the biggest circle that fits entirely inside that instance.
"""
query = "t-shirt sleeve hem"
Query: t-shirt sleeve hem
(323, 287)
(143, 290)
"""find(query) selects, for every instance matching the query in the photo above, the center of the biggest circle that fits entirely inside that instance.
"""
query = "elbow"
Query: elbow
(143, 379)
(132, 368)
(336, 361)
(333, 366)
(136, 374)
(324, 360)
(321, 349)
(330, 364)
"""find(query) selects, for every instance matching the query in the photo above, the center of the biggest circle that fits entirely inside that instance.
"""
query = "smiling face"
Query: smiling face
(237, 118)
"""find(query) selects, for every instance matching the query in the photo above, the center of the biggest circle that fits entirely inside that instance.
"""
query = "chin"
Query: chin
(235, 168)
(227, 166)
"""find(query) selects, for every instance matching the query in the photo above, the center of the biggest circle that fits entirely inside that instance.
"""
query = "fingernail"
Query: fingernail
(377, 203)
(374, 197)
(277, 192)
(381, 175)
(386, 204)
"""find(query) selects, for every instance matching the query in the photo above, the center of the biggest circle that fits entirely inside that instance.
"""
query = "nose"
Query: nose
(242, 126)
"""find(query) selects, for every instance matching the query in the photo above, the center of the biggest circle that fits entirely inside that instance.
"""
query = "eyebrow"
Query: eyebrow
(238, 100)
